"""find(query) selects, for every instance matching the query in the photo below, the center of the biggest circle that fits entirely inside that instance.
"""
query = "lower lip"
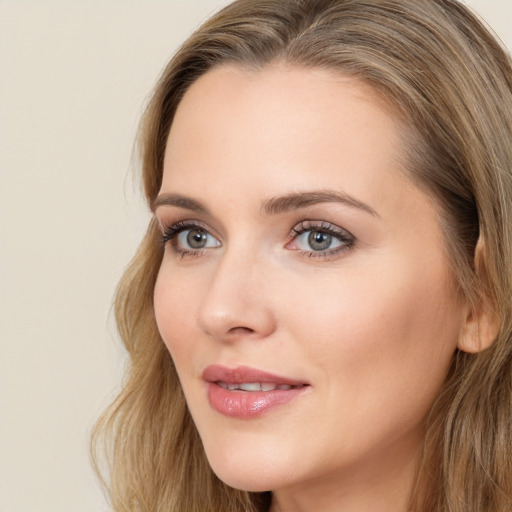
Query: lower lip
(249, 404)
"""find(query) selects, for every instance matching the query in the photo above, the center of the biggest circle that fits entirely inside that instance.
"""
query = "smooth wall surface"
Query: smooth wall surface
(74, 76)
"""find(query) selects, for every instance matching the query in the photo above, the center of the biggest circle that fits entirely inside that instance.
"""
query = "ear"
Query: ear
(482, 322)
(480, 329)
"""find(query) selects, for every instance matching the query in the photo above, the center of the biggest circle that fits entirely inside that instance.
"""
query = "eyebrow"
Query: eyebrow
(303, 199)
(273, 206)
(180, 201)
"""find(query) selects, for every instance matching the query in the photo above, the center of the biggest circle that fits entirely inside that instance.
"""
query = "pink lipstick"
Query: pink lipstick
(244, 392)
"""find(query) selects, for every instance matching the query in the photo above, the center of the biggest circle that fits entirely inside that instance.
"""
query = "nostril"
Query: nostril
(224, 315)
(240, 331)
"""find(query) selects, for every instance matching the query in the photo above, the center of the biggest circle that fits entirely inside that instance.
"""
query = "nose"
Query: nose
(236, 303)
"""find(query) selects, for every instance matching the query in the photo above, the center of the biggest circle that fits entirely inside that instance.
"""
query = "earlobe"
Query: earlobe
(479, 330)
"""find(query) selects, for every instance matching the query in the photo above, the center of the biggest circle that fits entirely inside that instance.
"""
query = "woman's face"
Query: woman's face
(304, 294)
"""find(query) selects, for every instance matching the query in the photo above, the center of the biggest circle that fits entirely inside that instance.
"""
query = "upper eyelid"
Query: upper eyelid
(311, 225)
(183, 225)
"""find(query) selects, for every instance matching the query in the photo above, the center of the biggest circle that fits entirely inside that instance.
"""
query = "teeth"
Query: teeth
(250, 386)
(254, 386)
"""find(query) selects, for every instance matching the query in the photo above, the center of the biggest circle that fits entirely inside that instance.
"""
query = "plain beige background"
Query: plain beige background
(74, 76)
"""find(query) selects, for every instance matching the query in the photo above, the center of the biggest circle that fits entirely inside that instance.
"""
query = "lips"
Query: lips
(245, 392)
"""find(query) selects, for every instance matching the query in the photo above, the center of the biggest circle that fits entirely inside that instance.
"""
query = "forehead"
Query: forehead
(278, 121)
(280, 95)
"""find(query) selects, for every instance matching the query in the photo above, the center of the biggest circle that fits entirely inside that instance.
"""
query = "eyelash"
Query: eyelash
(171, 233)
(342, 235)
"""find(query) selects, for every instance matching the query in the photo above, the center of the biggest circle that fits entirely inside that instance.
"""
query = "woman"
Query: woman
(319, 317)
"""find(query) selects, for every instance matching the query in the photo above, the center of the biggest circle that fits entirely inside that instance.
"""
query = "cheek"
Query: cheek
(392, 332)
(175, 303)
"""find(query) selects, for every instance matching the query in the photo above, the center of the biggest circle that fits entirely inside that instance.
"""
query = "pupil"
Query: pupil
(196, 238)
(319, 241)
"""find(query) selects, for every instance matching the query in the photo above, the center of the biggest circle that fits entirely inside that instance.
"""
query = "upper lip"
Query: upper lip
(241, 374)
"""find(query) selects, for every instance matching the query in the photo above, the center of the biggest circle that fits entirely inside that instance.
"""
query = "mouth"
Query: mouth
(255, 386)
(245, 393)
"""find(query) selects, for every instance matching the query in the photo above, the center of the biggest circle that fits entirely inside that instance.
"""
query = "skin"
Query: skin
(372, 328)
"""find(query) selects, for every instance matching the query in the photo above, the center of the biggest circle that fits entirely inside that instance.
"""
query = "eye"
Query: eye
(317, 241)
(318, 238)
(189, 238)
(196, 238)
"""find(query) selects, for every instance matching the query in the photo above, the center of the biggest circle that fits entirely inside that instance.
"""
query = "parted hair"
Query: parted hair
(449, 80)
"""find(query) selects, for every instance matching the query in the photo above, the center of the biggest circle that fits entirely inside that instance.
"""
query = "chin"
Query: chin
(249, 483)
(241, 471)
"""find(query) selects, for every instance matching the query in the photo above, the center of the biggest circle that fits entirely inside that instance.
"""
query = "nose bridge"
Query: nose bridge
(234, 302)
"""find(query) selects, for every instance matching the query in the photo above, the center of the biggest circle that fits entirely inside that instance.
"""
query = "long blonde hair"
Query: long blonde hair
(450, 81)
